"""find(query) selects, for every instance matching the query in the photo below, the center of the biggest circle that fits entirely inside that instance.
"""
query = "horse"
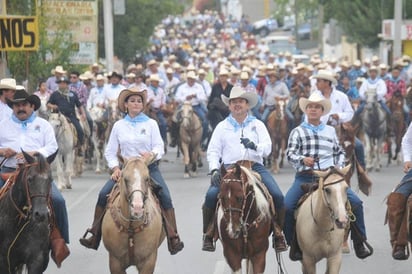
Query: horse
(321, 221)
(243, 219)
(79, 160)
(43, 112)
(132, 226)
(190, 136)
(395, 104)
(293, 106)
(374, 126)
(66, 139)
(278, 130)
(25, 217)
(113, 116)
(98, 135)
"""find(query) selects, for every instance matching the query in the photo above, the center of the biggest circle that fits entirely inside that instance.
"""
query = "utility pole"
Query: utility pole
(397, 42)
(108, 33)
(266, 8)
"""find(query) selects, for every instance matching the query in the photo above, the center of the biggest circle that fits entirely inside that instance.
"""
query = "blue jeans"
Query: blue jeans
(163, 195)
(79, 130)
(266, 112)
(58, 203)
(201, 112)
(267, 180)
(405, 187)
(295, 192)
(255, 109)
(162, 125)
(360, 152)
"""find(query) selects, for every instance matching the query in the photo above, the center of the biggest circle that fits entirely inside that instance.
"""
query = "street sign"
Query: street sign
(19, 33)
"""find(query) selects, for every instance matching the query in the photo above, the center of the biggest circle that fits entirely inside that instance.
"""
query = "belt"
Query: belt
(305, 172)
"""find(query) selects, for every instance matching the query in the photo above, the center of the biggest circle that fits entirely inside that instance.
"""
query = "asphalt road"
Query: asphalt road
(188, 196)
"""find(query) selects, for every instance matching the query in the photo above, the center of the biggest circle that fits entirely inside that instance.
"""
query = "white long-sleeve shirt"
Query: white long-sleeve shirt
(37, 135)
(407, 144)
(133, 140)
(185, 90)
(96, 96)
(225, 143)
(5, 111)
(340, 106)
(158, 97)
(377, 84)
(112, 92)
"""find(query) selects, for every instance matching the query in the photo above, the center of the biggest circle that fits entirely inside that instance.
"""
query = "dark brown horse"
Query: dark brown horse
(243, 219)
(25, 217)
(395, 104)
(277, 125)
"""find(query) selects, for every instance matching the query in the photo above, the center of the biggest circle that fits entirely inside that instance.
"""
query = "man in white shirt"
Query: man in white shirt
(240, 137)
(25, 131)
(96, 97)
(156, 99)
(112, 90)
(7, 90)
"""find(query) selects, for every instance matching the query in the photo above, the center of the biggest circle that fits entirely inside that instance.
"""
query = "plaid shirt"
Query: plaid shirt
(320, 142)
(394, 85)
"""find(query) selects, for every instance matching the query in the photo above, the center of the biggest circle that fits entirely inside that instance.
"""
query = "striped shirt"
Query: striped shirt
(320, 142)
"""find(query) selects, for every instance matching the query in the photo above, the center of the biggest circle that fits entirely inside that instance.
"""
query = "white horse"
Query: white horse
(374, 125)
(321, 222)
(98, 135)
(65, 136)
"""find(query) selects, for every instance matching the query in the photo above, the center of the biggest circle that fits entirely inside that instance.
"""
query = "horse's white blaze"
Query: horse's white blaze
(137, 202)
(342, 216)
(230, 229)
(261, 201)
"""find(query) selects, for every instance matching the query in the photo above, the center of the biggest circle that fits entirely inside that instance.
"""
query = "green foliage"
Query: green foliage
(132, 31)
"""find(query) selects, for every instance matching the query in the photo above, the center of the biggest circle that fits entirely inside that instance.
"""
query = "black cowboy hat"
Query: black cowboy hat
(115, 74)
(23, 96)
(63, 79)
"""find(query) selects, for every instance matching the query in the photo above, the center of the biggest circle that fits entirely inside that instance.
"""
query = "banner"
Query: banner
(81, 17)
(19, 33)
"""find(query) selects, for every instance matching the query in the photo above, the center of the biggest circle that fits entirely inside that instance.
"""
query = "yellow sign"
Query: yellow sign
(19, 33)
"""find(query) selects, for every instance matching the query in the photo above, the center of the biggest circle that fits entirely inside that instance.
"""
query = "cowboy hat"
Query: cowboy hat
(115, 74)
(325, 75)
(58, 69)
(244, 75)
(99, 77)
(191, 75)
(8, 83)
(315, 98)
(131, 75)
(22, 96)
(63, 79)
(154, 77)
(126, 93)
(238, 92)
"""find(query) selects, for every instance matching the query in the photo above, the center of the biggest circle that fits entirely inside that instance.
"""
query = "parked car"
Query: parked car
(264, 27)
(304, 31)
(280, 43)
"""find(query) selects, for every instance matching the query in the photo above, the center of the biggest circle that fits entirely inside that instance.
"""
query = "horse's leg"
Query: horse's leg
(233, 259)
(147, 266)
(308, 265)
(379, 142)
(68, 172)
(333, 264)
(61, 184)
(369, 164)
(258, 262)
(186, 159)
(275, 155)
(115, 266)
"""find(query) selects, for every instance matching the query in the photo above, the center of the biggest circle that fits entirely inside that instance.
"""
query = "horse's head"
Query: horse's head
(187, 113)
(347, 138)
(114, 113)
(57, 121)
(333, 187)
(371, 98)
(34, 186)
(96, 113)
(134, 186)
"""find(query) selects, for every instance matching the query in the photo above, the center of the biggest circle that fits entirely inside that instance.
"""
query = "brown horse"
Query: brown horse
(294, 108)
(243, 219)
(398, 128)
(190, 136)
(132, 226)
(278, 129)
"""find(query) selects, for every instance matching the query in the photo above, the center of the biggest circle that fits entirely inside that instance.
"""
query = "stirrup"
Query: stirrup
(279, 244)
(208, 244)
(176, 245)
(90, 242)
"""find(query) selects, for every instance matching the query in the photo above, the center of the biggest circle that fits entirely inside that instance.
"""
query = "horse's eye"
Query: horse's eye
(327, 191)
(239, 199)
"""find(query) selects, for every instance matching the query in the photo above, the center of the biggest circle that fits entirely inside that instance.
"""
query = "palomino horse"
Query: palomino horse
(98, 135)
(278, 130)
(25, 217)
(374, 126)
(66, 139)
(132, 226)
(243, 219)
(321, 222)
(395, 104)
(190, 136)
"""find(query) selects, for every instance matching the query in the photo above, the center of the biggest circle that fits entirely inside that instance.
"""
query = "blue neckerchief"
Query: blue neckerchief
(24, 122)
(138, 119)
(154, 89)
(238, 126)
(115, 86)
(373, 81)
(100, 89)
(314, 129)
(395, 80)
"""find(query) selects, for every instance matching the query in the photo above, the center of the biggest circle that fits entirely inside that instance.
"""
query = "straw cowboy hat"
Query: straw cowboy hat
(131, 75)
(8, 83)
(315, 99)
(191, 75)
(58, 69)
(325, 75)
(99, 77)
(126, 93)
(154, 77)
(22, 96)
(238, 92)
(244, 75)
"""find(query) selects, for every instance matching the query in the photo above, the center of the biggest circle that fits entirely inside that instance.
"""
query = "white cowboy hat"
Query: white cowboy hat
(99, 77)
(191, 75)
(244, 75)
(154, 77)
(317, 99)
(58, 69)
(325, 75)
(238, 92)
(131, 75)
(8, 83)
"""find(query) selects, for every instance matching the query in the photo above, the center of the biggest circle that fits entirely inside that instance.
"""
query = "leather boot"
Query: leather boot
(295, 253)
(94, 240)
(358, 243)
(397, 225)
(173, 241)
(278, 239)
(208, 229)
(174, 132)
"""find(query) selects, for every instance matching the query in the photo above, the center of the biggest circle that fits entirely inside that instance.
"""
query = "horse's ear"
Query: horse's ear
(51, 158)
(237, 170)
(345, 169)
(321, 174)
(29, 159)
(223, 171)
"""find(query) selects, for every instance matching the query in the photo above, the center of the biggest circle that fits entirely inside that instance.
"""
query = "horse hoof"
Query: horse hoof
(186, 176)
(98, 171)
(69, 186)
(345, 248)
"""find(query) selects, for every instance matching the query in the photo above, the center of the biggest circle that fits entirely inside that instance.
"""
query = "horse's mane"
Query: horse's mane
(261, 201)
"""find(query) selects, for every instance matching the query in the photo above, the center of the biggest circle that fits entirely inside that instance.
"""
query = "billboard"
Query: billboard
(81, 17)
(19, 33)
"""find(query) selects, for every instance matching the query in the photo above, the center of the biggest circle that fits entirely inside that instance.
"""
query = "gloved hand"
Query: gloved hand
(248, 143)
(215, 177)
